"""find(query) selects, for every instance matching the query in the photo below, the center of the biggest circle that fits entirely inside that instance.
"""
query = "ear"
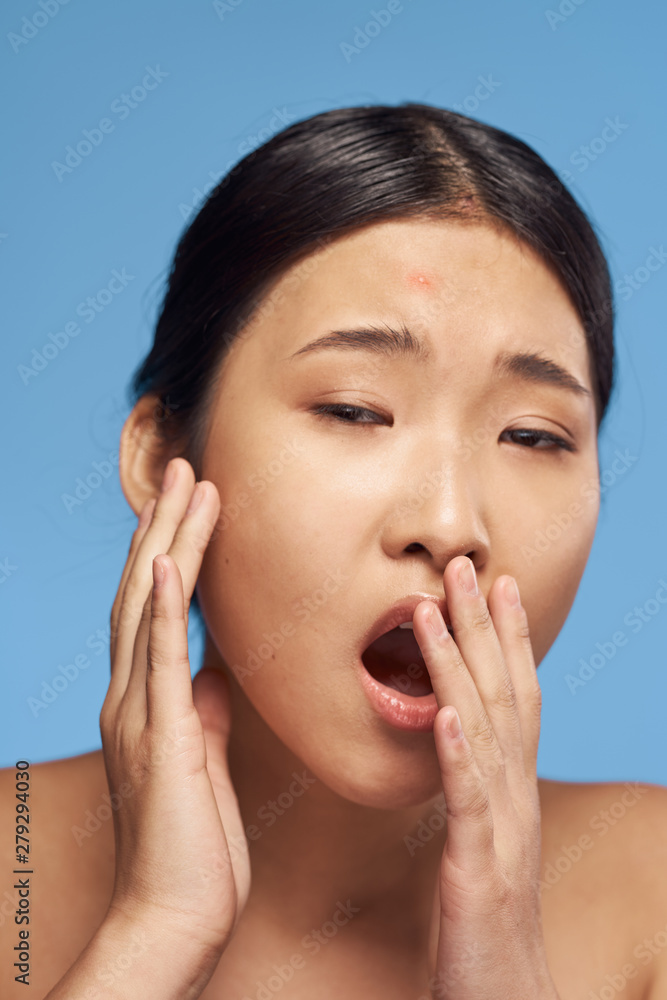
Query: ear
(144, 453)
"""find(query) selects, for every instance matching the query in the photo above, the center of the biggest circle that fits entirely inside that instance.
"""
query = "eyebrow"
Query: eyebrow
(527, 365)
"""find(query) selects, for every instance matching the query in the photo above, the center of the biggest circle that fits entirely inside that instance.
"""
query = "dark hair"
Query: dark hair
(337, 171)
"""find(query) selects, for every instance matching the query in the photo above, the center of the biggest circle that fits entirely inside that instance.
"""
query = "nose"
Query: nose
(439, 510)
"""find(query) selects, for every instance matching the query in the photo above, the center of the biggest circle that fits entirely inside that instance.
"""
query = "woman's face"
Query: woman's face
(327, 521)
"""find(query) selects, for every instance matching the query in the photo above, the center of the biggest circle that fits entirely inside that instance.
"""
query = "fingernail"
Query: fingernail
(169, 476)
(468, 577)
(454, 726)
(436, 622)
(158, 574)
(512, 592)
(195, 499)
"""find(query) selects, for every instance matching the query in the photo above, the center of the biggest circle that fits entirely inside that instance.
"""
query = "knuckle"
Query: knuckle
(504, 696)
(161, 656)
(114, 733)
(523, 629)
(504, 891)
(482, 735)
(158, 613)
(127, 740)
(479, 621)
(477, 805)
(492, 766)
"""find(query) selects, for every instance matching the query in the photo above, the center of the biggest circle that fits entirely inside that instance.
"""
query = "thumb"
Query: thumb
(211, 691)
(211, 697)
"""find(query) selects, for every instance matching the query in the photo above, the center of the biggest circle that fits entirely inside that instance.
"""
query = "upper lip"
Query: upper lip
(402, 611)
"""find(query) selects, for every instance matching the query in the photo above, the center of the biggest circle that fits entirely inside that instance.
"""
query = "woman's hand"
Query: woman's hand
(181, 852)
(490, 943)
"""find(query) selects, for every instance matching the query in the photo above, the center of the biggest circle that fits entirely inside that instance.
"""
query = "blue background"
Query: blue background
(230, 69)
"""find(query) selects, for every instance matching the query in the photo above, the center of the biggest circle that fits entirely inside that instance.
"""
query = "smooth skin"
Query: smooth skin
(338, 499)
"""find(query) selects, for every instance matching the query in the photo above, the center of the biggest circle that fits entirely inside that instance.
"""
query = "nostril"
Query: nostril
(414, 547)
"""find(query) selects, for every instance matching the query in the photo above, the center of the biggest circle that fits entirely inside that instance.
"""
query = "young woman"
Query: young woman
(381, 366)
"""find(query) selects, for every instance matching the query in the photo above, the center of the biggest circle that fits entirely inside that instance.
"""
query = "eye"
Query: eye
(530, 437)
(346, 412)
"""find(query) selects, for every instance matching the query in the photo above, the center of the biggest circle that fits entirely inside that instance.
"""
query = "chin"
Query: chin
(392, 770)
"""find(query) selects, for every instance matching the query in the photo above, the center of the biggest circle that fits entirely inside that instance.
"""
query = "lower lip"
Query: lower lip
(403, 711)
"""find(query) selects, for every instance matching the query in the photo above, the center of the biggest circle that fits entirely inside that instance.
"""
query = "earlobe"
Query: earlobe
(143, 453)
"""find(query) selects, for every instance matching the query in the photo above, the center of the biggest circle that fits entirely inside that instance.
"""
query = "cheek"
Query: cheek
(280, 542)
(550, 567)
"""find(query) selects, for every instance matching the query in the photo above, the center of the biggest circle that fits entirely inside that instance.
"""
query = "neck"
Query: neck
(313, 851)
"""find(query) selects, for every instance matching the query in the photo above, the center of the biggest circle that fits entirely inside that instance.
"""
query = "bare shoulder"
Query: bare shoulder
(56, 880)
(53, 794)
(604, 877)
(626, 819)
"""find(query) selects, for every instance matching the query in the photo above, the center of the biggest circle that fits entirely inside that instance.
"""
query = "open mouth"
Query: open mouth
(394, 659)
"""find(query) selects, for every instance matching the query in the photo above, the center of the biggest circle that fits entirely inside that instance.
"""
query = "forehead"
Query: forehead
(457, 285)
(432, 261)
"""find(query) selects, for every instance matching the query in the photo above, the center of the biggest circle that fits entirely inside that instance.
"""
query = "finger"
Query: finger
(194, 534)
(187, 549)
(144, 521)
(469, 820)
(453, 685)
(514, 635)
(211, 696)
(167, 514)
(477, 639)
(168, 680)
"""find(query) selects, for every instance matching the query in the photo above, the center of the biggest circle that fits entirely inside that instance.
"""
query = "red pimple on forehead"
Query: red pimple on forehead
(418, 280)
